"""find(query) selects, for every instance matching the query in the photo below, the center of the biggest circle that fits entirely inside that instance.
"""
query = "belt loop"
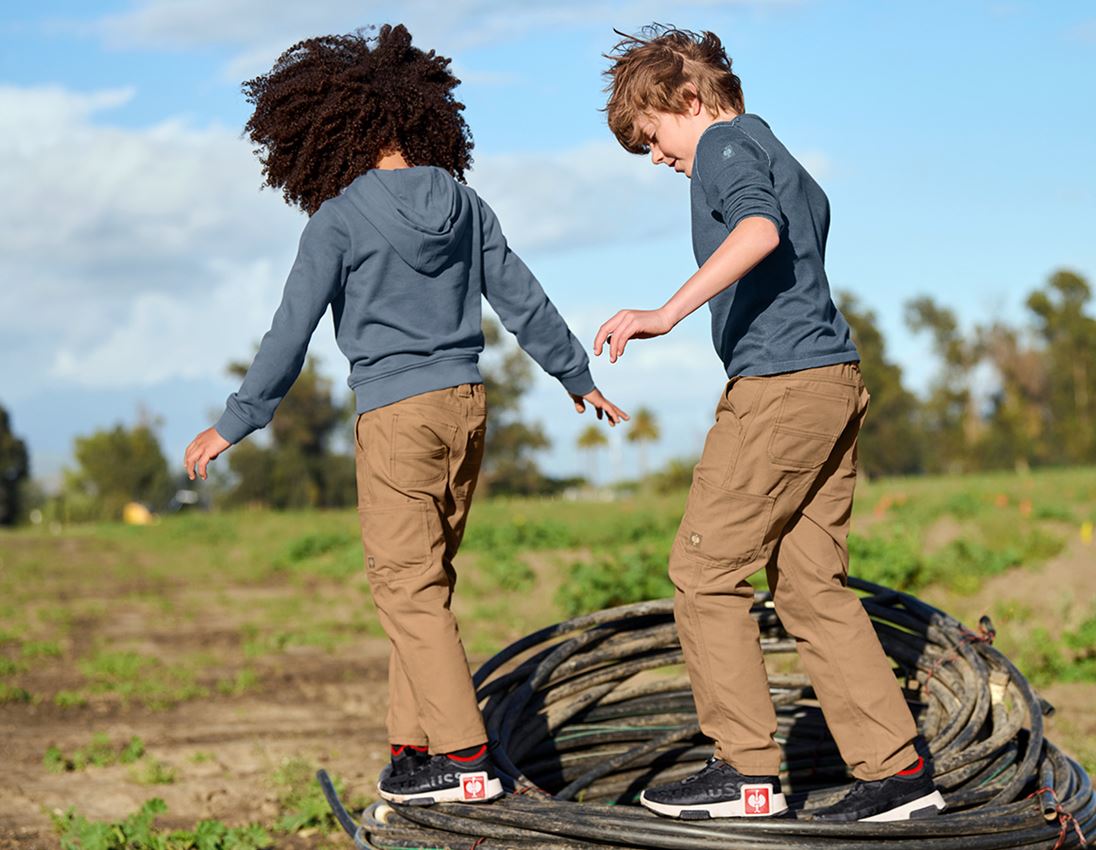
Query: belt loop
(464, 390)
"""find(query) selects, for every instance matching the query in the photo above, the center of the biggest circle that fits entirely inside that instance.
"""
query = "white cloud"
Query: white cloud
(253, 27)
(132, 256)
(579, 196)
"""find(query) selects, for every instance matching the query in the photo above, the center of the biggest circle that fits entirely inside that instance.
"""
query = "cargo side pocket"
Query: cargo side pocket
(723, 527)
(397, 541)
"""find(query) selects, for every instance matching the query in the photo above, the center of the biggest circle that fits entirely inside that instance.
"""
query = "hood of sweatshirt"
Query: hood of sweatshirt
(419, 211)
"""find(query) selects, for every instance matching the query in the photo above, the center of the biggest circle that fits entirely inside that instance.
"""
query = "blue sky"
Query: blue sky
(138, 255)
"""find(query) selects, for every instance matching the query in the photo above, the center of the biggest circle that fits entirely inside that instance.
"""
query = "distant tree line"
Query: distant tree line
(1004, 397)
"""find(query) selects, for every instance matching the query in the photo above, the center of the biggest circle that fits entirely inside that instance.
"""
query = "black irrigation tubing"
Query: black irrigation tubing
(584, 714)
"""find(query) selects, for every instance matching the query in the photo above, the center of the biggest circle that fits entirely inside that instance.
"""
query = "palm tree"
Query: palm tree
(591, 440)
(643, 430)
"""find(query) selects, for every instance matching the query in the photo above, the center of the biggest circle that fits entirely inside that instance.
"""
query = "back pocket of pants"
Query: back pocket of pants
(807, 428)
(419, 451)
(724, 526)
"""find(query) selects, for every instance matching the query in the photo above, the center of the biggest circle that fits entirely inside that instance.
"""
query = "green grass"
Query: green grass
(141, 678)
(152, 771)
(138, 832)
(99, 752)
(301, 801)
(273, 583)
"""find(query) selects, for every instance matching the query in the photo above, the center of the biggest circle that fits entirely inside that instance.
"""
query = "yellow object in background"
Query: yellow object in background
(134, 513)
(1086, 532)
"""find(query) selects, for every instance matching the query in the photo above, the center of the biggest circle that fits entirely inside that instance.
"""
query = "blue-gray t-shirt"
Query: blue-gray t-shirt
(779, 317)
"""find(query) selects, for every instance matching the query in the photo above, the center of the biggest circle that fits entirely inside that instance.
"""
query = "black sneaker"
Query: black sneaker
(404, 759)
(717, 791)
(444, 779)
(910, 793)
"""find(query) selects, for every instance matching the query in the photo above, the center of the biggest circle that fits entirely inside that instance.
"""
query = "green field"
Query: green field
(212, 660)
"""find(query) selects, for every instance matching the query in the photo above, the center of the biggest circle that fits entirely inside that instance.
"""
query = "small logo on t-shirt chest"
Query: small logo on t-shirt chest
(728, 152)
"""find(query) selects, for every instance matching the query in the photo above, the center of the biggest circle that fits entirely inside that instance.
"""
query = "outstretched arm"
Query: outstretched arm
(314, 281)
(747, 245)
(525, 311)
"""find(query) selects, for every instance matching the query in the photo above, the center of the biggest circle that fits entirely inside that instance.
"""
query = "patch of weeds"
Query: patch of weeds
(141, 678)
(1012, 611)
(965, 505)
(100, 752)
(1082, 645)
(7, 637)
(41, 649)
(70, 699)
(137, 832)
(612, 580)
(300, 799)
(328, 554)
(8, 667)
(1059, 513)
(11, 693)
(245, 680)
(506, 571)
(893, 560)
(1039, 657)
(201, 757)
(324, 636)
(153, 772)
(963, 564)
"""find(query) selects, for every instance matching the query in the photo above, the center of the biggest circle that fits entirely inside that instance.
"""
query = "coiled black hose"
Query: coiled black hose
(585, 714)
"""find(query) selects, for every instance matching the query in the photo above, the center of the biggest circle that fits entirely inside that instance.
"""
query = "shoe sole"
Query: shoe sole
(777, 804)
(927, 806)
(492, 790)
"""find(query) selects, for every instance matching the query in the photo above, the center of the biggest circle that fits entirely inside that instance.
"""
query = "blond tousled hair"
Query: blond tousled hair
(651, 71)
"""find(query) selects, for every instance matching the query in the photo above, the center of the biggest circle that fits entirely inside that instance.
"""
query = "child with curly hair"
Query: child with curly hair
(365, 135)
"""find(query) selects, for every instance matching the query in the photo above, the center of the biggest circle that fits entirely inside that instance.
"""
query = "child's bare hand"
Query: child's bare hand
(601, 406)
(202, 449)
(630, 324)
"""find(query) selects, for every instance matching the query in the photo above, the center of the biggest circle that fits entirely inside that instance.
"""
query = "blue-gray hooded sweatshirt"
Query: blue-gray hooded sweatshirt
(403, 257)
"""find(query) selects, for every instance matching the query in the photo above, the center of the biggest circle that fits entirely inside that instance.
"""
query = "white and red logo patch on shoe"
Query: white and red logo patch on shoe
(473, 786)
(757, 799)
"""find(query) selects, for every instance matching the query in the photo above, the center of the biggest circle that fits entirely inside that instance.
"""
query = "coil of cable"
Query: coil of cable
(584, 714)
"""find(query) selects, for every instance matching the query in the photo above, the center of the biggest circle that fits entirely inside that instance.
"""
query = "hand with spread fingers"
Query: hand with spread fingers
(601, 405)
(631, 324)
(202, 449)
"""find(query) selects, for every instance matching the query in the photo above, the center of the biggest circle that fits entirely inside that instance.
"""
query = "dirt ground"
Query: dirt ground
(326, 706)
(323, 708)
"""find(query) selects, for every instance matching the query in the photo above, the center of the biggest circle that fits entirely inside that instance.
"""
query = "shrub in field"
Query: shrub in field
(614, 580)
(894, 561)
(137, 832)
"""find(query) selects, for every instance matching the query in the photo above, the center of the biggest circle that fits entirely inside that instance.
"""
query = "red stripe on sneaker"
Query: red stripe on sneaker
(397, 751)
(417, 749)
(914, 768)
(477, 754)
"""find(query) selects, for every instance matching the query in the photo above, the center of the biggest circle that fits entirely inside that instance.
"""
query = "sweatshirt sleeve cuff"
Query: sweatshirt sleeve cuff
(232, 427)
(579, 383)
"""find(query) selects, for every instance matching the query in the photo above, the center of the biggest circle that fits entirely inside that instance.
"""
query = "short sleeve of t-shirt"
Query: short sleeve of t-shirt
(735, 175)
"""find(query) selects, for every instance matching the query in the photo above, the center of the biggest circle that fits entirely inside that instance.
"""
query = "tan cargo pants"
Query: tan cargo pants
(417, 462)
(774, 490)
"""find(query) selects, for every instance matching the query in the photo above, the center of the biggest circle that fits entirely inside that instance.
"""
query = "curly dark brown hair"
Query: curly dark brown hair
(332, 105)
